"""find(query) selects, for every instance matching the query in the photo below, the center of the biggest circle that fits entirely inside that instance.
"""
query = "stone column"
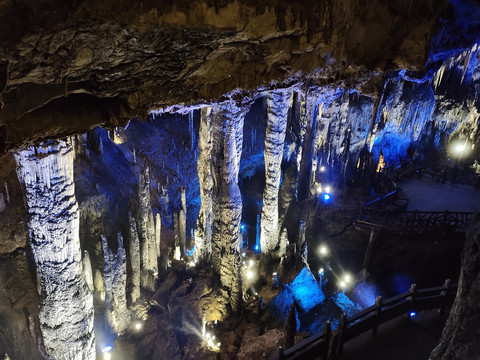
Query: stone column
(278, 105)
(134, 258)
(203, 228)
(66, 304)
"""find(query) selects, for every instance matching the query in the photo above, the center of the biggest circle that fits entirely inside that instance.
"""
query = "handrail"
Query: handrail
(369, 319)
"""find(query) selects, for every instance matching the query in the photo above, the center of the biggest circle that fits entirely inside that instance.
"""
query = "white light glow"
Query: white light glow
(460, 148)
(138, 325)
(342, 284)
(250, 274)
(321, 271)
(319, 189)
(322, 169)
(107, 356)
(323, 250)
(347, 278)
(250, 263)
(327, 189)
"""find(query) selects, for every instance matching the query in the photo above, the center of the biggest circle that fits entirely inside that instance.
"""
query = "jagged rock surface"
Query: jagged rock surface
(66, 305)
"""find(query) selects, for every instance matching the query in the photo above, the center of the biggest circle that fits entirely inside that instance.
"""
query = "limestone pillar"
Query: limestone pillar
(66, 304)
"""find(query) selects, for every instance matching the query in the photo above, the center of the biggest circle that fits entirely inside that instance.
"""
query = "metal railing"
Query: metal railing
(328, 344)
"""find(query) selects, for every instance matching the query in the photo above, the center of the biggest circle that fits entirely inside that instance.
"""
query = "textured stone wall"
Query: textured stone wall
(66, 304)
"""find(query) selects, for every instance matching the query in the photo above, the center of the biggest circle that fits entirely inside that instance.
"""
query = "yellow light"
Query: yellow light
(319, 189)
(250, 274)
(250, 263)
(327, 189)
(347, 278)
(342, 284)
(107, 356)
(323, 250)
(138, 325)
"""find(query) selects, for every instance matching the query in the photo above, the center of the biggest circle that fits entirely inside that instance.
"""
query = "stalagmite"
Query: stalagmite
(182, 223)
(283, 243)
(158, 234)
(115, 273)
(146, 232)
(278, 106)
(134, 259)
(176, 231)
(87, 269)
(227, 200)
(203, 228)
(66, 304)
(302, 244)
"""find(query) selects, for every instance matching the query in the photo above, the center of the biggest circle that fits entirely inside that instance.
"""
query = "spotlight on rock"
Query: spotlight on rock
(250, 274)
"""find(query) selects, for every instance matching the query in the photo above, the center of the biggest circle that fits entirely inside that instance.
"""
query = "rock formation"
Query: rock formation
(115, 275)
(278, 105)
(66, 304)
(461, 335)
(134, 259)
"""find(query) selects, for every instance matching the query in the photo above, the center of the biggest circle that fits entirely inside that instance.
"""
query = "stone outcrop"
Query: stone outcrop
(66, 304)
(461, 335)
(279, 104)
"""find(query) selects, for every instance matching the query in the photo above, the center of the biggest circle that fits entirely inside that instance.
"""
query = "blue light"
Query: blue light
(257, 247)
(412, 314)
(242, 227)
(107, 348)
(326, 197)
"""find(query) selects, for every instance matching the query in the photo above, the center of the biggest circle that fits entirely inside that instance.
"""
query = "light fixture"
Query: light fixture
(138, 325)
(319, 189)
(347, 278)
(323, 250)
(322, 169)
(250, 274)
(412, 314)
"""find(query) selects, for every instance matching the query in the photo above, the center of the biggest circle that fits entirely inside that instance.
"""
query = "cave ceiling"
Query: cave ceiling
(66, 66)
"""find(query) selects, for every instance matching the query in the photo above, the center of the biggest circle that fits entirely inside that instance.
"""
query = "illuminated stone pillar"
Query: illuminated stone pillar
(278, 106)
(227, 199)
(66, 304)
(203, 228)
(146, 232)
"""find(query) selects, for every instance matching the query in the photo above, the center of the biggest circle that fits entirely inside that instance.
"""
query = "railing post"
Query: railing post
(444, 292)
(328, 335)
(341, 328)
(280, 354)
(378, 314)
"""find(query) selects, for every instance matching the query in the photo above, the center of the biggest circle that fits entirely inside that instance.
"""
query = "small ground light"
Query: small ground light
(319, 189)
(343, 284)
(321, 271)
(257, 247)
(243, 254)
(326, 197)
(327, 189)
(412, 314)
(242, 227)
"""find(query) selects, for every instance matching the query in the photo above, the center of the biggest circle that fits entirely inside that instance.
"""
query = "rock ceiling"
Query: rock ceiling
(67, 66)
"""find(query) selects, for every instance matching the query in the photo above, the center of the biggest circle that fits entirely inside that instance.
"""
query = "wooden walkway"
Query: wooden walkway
(329, 344)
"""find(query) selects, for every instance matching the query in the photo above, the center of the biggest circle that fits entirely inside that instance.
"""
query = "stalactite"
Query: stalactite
(278, 106)
(115, 274)
(302, 122)
(134, 259)
(203, 228)
(7, 193)
(66, 304)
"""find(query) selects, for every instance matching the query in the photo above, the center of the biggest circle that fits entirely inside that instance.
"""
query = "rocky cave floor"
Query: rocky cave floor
(173, 328)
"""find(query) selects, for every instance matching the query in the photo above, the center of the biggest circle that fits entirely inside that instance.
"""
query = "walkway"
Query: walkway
(398, 339)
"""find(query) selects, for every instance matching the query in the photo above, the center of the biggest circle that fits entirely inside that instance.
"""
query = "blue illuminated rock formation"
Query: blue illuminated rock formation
(66, 304)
